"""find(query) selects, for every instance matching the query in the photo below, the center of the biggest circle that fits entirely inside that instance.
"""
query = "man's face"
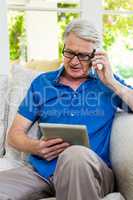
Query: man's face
(75, 68)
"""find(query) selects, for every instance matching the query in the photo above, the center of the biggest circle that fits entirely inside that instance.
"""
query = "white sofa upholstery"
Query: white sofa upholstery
(121, 151)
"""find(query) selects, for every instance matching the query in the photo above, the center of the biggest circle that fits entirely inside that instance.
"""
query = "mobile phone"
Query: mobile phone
(92, 70)
(99, 66)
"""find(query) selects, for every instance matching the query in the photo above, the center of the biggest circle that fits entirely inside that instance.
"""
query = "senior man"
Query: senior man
(83, 91)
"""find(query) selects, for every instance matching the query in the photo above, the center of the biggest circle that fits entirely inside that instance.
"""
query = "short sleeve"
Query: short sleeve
(30, 106)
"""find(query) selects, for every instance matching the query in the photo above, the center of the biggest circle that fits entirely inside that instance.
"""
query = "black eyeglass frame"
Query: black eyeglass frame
(78, 54)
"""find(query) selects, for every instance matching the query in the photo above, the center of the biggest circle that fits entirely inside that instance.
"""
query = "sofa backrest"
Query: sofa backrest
(121, 149)
(3, 122)
(18, 84)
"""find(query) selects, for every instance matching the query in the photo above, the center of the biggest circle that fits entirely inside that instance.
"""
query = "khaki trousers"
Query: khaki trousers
(80, 175)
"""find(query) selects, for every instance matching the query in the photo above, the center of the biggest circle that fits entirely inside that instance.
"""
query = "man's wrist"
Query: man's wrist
(116, 87)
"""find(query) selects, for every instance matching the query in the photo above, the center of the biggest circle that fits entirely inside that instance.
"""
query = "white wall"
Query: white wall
(4, 44)
(42, 32)
(92, 10)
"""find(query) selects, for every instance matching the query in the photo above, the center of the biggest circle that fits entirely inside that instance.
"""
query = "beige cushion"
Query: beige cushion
(122, 153)
(3, 100)
(43, 65)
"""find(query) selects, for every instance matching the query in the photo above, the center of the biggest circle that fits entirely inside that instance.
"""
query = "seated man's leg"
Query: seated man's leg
(23, 183)
(81, 174)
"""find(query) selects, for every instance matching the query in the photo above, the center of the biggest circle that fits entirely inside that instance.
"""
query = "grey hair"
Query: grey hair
(84, 30)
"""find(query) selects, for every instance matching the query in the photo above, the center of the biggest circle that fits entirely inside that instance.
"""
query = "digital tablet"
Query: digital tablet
(73, 134)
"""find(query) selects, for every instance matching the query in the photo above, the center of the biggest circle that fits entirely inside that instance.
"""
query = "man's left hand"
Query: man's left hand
(105, 74)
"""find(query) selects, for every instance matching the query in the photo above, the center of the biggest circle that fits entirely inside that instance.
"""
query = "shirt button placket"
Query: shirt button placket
(72, 114)
(74, 96)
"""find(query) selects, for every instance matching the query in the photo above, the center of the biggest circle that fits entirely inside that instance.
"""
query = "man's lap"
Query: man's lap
(23, 183)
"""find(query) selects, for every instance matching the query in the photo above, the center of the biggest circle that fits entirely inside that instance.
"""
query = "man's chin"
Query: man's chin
(78, 76)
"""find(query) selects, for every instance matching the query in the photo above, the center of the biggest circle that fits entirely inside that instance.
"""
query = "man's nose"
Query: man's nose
(75, 60)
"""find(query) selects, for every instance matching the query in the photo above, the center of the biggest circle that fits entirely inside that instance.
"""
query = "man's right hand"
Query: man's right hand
(18, 138)
(50, 149)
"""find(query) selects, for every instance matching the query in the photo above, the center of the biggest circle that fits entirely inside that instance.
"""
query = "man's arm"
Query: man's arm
(125, 93)
(107, 77)
(18, 138)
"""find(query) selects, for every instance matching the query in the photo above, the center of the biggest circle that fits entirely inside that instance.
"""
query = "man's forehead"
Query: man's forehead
(78, 48)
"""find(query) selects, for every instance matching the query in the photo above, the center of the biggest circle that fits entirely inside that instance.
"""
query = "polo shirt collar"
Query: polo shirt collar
(59, 73)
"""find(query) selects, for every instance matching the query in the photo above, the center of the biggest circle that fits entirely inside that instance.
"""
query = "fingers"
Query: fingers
(98, 64)
(55, 148)
(50, 149)
(100, 60)
(54, 154)
(102, 53)
(51, 142)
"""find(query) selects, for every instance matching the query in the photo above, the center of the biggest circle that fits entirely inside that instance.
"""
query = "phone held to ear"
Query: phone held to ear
(99, 66)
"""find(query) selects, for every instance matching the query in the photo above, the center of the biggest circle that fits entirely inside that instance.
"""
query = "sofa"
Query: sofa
(12, 90)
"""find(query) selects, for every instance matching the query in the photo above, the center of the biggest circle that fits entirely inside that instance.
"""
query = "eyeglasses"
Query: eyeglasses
(81, 56)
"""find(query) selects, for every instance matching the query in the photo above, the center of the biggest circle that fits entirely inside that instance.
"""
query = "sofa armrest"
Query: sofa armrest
(121, 152)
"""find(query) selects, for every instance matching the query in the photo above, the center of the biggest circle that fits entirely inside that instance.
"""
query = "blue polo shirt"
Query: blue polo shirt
(92, 104)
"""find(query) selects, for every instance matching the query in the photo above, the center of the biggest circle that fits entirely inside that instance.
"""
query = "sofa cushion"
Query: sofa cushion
(43, 65)
(2, 138)
(3, 88)
(113, 196)
(3, 122)
(19, 83)
(122, 153)
(9, 163)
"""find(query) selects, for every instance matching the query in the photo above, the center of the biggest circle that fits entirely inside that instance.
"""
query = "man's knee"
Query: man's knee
(77, 155)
